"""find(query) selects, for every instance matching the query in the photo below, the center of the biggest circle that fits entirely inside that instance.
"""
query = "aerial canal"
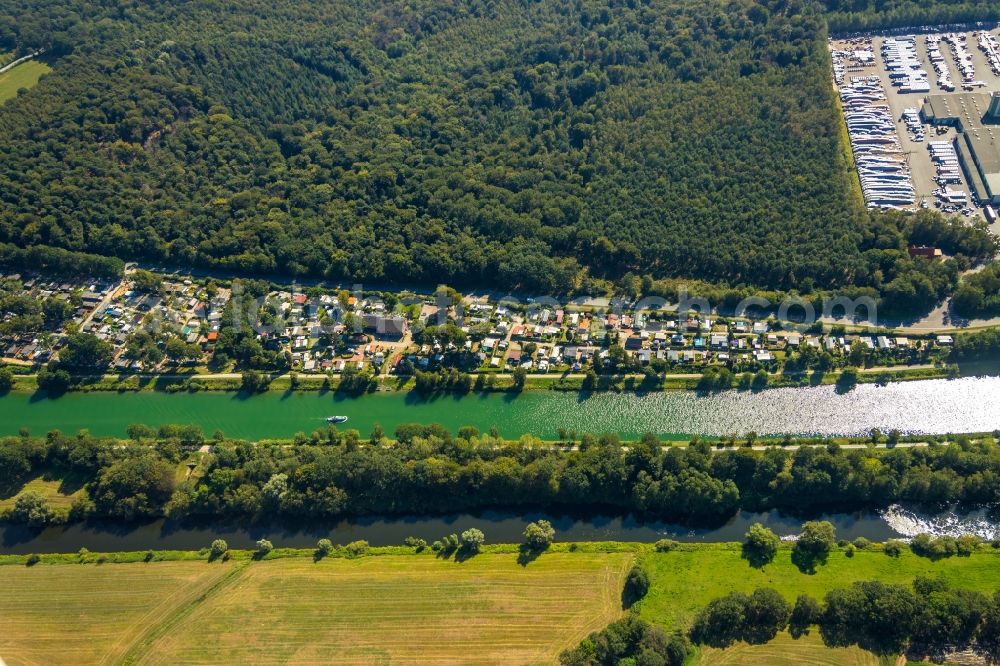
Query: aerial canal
(500, 527)
(933, 407)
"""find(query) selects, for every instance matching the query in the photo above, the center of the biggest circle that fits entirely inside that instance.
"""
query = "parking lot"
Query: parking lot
(914, 145)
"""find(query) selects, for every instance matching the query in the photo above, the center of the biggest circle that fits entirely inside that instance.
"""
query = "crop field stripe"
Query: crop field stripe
(786, 651)
(160, 620)
(71, 614)
(408, 609)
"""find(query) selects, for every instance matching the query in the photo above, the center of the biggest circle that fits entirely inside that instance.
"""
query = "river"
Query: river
(499, 527)
(940, 406)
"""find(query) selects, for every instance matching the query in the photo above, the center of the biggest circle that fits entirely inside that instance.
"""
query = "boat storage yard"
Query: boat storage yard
(890, 87)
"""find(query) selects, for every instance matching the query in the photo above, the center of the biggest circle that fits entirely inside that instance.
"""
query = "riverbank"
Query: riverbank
(499, 383)
(184, 540)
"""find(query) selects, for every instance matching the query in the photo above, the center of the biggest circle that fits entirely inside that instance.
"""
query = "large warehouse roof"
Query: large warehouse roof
(969, 108)
(977, 116)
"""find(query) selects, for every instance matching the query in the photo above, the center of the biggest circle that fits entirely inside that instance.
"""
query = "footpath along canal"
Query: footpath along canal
(970, 404)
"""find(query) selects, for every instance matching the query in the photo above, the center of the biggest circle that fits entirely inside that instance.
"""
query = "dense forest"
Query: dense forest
(978, 295)
(428, 470)
(857, 15)
(542, 146)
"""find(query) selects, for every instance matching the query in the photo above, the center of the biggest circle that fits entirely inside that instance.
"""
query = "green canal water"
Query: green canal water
(932, 407)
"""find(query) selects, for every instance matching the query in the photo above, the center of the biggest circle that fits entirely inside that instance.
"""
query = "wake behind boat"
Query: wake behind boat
(336, 419)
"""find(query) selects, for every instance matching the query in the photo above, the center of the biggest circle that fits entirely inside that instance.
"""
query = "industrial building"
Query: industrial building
(976, 116)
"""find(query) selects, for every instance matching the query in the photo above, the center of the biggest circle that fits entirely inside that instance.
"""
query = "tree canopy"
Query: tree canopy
(531, 145)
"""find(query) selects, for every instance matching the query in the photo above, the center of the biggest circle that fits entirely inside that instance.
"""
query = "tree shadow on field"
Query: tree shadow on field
(463, 554)
(806, 560)
(754, 557)
(526, 555)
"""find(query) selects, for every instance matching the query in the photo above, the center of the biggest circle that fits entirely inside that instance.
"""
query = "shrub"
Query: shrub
(356, 548)
(539, 535)
(31, 508)
(861, 543)
(263, 547)
(665, 545)
(849, 550)
(636, 586)
(760, 546)
(32, 560)
(219, 546)
(814, 545)
(472, 540)
(449, 543)
(324, 547)
(893, 547)
(415, 542)
(817, 537)
(934, 548)
(967, 544)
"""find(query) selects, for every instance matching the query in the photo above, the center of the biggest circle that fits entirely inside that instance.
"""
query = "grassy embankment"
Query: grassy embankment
(24, 75)
(195, 381)
(395, 605)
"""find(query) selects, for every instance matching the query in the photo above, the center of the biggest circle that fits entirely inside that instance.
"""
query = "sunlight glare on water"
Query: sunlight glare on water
(931, 407)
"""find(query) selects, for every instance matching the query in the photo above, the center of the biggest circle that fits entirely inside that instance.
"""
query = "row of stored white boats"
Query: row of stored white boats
(991, 48)
(938, 63)
(886, 180)
(903, 65)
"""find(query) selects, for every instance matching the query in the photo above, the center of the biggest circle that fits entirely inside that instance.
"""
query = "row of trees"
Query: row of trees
(884, 618)
(863, 15)
(59, 261)
(428, 470)
(982, 345)
(538, 536)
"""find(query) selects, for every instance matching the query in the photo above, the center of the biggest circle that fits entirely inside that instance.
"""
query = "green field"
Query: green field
(60, 493)
(392, 608)
(400, 607)
(685, 580)
(24, 75)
